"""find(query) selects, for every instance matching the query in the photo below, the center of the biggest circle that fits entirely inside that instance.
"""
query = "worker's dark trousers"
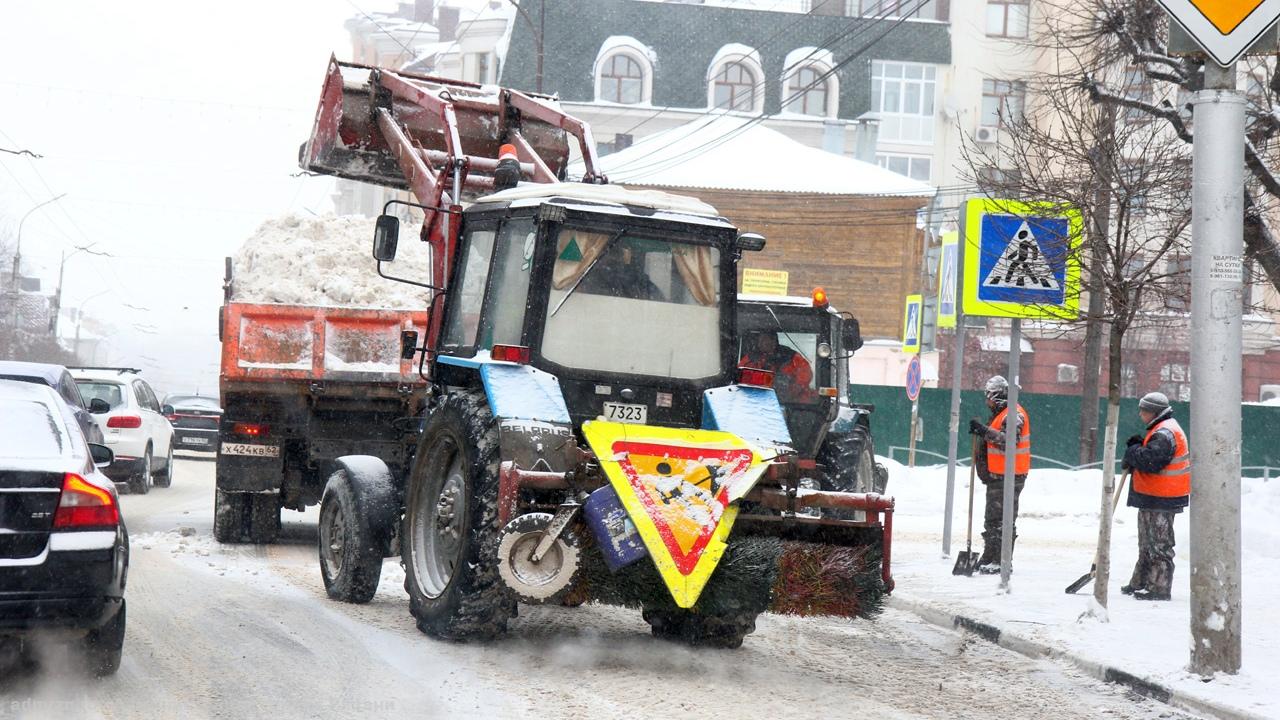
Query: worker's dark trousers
(1154, 569)
(993, 518)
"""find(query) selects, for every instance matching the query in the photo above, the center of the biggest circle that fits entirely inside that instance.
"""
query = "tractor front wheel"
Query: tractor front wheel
(449, 538)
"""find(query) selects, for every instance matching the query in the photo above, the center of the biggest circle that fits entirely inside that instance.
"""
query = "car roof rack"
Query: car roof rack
(120, 370)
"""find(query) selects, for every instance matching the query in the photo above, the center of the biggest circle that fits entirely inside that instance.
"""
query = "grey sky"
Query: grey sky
(173, 127)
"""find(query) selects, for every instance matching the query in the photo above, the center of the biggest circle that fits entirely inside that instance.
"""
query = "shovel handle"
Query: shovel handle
(973, 471)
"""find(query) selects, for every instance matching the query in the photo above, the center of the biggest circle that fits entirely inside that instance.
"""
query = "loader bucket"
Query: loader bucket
(347, 140)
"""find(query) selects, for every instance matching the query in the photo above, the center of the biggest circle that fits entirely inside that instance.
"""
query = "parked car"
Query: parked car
(64, 549)
(57, 377)
(195, 420)
(134, 425)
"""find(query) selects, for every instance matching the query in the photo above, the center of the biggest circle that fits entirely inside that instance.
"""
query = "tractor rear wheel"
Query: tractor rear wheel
(450, 537)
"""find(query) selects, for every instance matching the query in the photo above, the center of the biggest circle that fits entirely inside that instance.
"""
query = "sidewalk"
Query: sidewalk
(1142, 645)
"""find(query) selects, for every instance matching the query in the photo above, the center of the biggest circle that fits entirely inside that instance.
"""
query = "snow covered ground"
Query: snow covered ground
(1057, 536)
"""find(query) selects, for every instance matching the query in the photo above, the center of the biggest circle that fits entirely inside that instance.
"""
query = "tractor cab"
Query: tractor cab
(806, 345)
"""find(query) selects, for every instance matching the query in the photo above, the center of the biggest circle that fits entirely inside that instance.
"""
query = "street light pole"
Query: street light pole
(17, 252)
(1217, 241)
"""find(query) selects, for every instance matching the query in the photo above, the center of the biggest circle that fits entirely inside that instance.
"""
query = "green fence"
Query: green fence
(1055, 423)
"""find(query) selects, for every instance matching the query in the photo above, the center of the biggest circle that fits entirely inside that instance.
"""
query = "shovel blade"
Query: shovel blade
(966, 564)
(1082, 581)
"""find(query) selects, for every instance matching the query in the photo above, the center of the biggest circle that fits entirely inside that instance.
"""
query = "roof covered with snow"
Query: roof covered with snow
(735, 153)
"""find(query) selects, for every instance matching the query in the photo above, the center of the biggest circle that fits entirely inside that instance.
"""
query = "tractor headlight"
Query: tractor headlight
(824, 350)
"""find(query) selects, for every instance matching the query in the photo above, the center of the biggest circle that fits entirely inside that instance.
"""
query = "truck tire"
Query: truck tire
(104, 647)
(350, 556)
(449, 539)
(264, 518)
(140, 484)
(228, 516)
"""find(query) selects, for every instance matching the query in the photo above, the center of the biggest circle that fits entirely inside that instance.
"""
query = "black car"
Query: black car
(195, 421)
(57, 377)
(64, 550)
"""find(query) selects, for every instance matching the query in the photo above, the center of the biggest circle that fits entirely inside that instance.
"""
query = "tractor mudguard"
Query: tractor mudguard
(849, 417)
(749, 412)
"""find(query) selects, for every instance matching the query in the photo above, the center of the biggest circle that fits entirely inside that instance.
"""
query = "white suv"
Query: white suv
(135, 427)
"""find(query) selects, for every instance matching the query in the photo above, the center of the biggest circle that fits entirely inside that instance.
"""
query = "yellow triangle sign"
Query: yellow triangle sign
(1226, 15)
(679, 487)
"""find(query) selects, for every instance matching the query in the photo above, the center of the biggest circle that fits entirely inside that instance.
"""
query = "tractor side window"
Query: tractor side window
(509, 293)
(464, 319)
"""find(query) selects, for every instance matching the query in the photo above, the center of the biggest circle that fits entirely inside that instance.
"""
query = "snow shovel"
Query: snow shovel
(1088, 577)
(967, 561)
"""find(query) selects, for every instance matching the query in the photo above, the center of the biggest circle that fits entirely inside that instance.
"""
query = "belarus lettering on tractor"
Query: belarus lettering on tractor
(589, 433)
(808, 344)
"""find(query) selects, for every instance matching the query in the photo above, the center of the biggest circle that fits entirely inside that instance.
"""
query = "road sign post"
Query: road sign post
(1021, 260)
(1225, 29)
(914, 380)
(957, 380)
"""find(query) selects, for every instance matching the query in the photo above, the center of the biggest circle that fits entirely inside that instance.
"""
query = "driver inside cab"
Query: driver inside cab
(792, 373)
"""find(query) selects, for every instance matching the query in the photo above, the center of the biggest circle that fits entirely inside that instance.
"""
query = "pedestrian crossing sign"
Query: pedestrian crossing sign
(911, 323)
(948, 271)
(1021, 260)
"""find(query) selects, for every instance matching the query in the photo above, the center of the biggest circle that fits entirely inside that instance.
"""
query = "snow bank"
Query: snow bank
(327, 260)
(1057, 536)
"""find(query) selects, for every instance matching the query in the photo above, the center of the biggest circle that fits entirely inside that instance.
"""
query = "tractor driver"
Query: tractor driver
(617, 273)
(792, 373)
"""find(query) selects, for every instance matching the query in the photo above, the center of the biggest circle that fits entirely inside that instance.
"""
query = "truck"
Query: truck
(301, 386)
(830, 433)
(589, 433)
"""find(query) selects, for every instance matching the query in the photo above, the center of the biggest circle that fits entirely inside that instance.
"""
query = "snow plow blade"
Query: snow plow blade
(414, 132)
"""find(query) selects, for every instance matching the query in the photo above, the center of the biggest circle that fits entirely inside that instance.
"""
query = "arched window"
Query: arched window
(621, 80)
(807, 91)
(734, 87)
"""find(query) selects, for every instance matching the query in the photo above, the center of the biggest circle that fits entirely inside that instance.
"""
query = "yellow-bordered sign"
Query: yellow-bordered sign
(912, 323)
(948, 279)
(1021, 260)
(678, 487)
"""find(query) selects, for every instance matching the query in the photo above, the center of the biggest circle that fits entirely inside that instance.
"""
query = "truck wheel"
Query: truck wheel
(229, 516)
(140, 484)
(350, 560)
(449, 540)
(104, 647)
(165, 478)
(264, 518)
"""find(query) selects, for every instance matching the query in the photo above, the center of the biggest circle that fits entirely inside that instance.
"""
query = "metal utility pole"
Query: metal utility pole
(1217, 239)
(957, 380)
(1010, 453)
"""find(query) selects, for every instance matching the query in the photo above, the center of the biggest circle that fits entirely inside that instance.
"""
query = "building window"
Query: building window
(807, 91)
(1137, 87)
(903, 95)
(994, 181)
(1003, 102)
(1128, 380)
(734, 87)
(916, 167)
(1175, 381)
(476, 67)
(622, 80)
(1007, 18)
(1178, 296)
(930, 10)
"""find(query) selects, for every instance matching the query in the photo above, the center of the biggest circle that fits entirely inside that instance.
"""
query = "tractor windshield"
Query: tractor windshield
(634, 305)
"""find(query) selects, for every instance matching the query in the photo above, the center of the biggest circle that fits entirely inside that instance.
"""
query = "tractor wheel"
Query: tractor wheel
(449, 538)
(850, 464)
(718, 631)
(350, 559)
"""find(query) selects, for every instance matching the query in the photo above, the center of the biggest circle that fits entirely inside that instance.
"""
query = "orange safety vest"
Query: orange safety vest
(1175, 479)
(1022, 454)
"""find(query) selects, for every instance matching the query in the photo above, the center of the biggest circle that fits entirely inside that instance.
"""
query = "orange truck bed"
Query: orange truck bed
(267, 342)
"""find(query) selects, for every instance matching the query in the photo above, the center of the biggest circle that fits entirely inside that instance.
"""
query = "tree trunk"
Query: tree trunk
(1259, 243)
(1092, 368)
(1102, 574)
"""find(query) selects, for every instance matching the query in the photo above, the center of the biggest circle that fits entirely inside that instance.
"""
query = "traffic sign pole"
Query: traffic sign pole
(1010, 454)
(1216, 286)
(911, 445)
(957, 379)
(915, 379)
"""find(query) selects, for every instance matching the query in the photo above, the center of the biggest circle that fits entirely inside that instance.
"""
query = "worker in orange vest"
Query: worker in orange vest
(1160, 461)
(793, 375)
(990, 463)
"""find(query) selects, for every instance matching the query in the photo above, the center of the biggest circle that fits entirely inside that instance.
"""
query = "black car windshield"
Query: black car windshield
(634, 305)
(109, 392)
(30, 430)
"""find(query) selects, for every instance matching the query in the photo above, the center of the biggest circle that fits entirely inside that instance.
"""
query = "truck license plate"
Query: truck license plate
(272, 451)
(622, 412)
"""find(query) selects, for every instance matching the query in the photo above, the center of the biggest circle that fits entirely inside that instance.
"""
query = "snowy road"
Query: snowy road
(245, 632)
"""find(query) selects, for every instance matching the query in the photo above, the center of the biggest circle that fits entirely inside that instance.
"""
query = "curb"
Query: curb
(1037, 651)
